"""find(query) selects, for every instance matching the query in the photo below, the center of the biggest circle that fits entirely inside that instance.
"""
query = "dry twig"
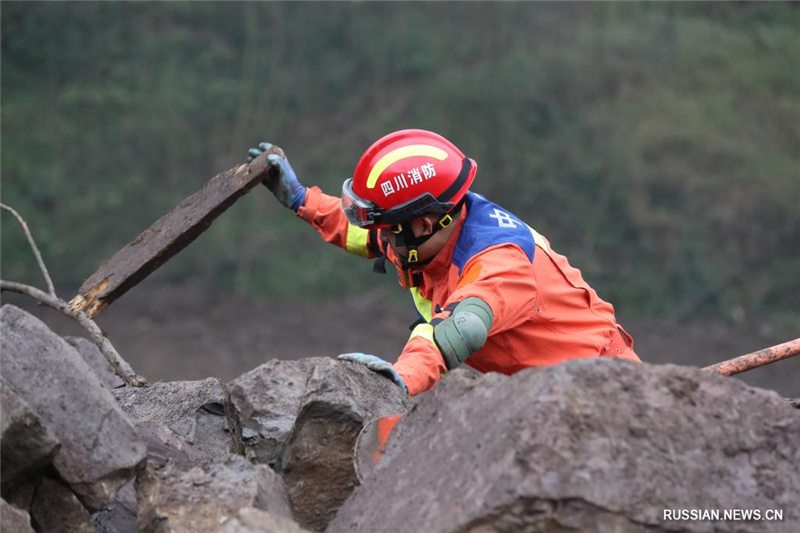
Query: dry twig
(35, 249)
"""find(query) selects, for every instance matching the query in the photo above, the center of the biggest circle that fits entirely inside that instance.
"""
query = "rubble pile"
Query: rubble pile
(81, 452)
(594, 445)
(587, 445)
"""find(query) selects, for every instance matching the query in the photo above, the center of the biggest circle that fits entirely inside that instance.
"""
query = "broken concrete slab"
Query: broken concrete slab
(251, 520)
(199, 411)
(26, 444)
(201, 497)
(14, 520)
(99, 450)
(588, 445)
(96, 361)
(56, 508)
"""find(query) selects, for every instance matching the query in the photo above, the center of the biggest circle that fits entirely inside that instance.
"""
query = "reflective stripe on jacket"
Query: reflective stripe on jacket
(544, 311)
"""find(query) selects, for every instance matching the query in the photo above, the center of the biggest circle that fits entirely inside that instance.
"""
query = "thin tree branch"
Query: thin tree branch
(35, 249)
(120, 366)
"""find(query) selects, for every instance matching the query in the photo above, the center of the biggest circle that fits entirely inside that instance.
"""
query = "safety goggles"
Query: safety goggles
(358, 211)
(362, 213)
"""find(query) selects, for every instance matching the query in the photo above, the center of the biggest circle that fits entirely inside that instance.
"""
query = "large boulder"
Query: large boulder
(201, 497)
(13, 520)
(26, 444)
(199, 411)
(96, 361)
(590, 445)
(99, 450)
(305, 417)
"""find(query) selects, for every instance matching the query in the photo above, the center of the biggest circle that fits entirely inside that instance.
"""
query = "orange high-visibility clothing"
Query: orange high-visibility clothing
(544, 312)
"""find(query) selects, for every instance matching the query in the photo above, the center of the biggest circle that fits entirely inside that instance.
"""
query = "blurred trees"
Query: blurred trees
(656, 145)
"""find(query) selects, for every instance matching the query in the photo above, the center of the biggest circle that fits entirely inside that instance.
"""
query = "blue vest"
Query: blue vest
(488, 224)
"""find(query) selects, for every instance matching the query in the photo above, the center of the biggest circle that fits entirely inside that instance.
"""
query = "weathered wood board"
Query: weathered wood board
(168, 236)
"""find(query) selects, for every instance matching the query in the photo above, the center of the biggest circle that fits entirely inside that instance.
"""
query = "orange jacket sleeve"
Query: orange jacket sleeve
(325, 215)
(502, 276)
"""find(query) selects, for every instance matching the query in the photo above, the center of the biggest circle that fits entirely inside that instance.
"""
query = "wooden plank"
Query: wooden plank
(168, 236)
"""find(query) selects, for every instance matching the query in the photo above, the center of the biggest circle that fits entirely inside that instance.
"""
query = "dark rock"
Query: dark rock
(199, 411)
(56, 508)
(96, 361)
(591, 445)
(26, 444)
(13, 520)
(181, 497)
(99, 451)
(20, 495)
(268, 400)
(251, 520)
(120, 515)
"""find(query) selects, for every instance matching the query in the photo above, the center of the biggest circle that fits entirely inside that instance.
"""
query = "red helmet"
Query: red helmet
(404, 175)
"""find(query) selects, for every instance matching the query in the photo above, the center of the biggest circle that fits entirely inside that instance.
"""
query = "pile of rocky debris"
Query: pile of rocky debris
(596, 445)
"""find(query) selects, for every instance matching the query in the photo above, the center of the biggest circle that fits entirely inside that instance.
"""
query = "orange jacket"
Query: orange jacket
(544, 312)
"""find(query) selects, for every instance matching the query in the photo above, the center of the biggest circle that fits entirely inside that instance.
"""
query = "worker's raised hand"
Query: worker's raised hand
(376, 364)
(281, 179)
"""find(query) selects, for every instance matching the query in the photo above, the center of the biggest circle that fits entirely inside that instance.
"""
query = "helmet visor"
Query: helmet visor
(359, 212)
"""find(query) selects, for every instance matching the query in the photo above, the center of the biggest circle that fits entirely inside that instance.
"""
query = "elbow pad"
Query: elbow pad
(464, 332)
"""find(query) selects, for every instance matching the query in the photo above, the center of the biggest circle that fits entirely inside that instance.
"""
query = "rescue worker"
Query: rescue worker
(490, 291)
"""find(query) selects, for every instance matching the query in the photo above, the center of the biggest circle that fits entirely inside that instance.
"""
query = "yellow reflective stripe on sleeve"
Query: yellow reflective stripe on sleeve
(423, 305)
(426, 332)
(357, 240)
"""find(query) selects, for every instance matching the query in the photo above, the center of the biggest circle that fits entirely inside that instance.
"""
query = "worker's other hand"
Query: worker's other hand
(376, 364)
(281, 179)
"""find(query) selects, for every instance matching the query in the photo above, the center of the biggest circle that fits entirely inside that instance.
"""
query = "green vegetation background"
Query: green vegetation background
(656, 145)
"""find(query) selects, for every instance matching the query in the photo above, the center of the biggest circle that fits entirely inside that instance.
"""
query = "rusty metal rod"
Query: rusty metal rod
(743, 363)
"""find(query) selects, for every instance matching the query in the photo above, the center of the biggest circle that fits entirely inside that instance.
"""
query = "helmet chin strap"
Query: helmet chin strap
(405, 237)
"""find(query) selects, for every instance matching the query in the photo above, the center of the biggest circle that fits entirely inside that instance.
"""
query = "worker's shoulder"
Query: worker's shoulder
(486, 225)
